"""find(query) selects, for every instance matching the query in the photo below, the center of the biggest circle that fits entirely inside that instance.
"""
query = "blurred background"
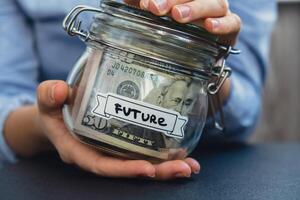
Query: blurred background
(280, 120)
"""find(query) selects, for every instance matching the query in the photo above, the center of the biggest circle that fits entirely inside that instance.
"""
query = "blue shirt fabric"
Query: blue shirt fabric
(34, 47)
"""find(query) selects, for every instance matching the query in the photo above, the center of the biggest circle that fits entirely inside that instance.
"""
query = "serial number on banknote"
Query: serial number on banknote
(116, 66)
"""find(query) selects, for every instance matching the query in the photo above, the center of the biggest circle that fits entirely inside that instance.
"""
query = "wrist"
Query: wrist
(23, 133)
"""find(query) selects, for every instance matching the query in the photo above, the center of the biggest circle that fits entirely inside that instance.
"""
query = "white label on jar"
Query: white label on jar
(140, 113)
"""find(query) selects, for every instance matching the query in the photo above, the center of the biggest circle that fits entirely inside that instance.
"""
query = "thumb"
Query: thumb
(51, 96)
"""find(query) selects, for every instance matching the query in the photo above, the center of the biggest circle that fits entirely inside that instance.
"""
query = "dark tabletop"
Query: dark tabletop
(266, 171)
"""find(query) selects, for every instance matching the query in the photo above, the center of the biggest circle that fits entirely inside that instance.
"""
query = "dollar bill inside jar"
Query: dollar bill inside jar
(140, 89)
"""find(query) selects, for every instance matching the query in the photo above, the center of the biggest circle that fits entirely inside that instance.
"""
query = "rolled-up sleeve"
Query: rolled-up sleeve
(18, 68)
(242, 109)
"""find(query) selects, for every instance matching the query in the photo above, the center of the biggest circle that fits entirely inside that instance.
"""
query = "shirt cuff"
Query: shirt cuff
(8, 156)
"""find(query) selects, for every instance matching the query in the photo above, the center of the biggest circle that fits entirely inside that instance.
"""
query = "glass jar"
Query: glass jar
(140, 90)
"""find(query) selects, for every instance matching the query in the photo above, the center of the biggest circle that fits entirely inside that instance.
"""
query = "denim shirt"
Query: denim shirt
(34, 48)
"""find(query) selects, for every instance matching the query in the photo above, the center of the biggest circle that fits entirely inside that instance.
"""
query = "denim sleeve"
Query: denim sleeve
(249, 69)
(18, 68)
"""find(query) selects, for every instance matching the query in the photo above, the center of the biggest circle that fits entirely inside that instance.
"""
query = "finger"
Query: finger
(228, 26)
(72, 151)
(198, 9)
(51, 95)
(195, 166)
(100, 164)
(160, 7)
(114, 167)
(172, 169)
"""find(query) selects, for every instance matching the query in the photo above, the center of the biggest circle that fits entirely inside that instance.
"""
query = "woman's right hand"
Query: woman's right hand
(51, 96)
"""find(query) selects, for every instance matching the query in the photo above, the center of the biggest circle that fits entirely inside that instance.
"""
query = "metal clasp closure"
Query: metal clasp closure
(73, 26)
(222, 73)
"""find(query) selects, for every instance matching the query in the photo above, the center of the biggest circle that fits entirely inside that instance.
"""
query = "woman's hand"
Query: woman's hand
(213, 15)
(51, 96)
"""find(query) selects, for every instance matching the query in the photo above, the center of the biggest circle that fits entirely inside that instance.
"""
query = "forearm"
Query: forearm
(23, 133)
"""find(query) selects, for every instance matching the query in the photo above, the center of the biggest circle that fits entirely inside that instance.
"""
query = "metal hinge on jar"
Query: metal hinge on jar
(73, 26)
(221, 73)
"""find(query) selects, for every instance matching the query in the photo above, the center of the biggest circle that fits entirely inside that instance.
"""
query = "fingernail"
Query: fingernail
(52, 95)
(182, 175)
(151, 175)
(147, 175)
(215, 23)
(145, 4)
(184, 11)
(161, 5)
(196, 171)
